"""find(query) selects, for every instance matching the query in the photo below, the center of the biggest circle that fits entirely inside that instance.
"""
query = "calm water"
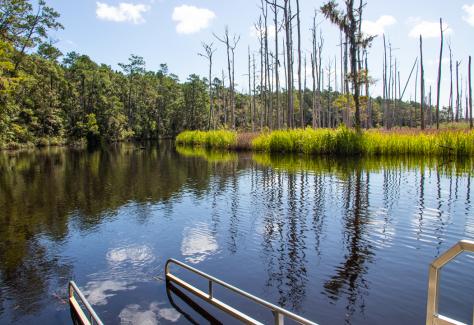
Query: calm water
(337, 241)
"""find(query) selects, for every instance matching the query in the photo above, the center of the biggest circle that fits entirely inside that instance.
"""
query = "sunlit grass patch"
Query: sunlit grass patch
(346, 142)
(220, 139)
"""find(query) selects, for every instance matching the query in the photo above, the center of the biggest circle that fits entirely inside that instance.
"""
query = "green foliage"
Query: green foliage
(221, 139)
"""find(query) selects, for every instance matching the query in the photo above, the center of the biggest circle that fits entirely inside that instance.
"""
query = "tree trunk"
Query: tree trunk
(289, 67)
(470, 96)
(277, 75)
(422, 89)
(439, 72)
(457, 92)
(300, 97)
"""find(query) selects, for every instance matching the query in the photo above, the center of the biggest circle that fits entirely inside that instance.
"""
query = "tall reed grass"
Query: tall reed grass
(347, 142)
(339, 142)
(220, 139)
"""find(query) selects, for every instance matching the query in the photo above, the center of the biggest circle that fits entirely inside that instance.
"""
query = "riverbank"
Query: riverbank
(339, 142)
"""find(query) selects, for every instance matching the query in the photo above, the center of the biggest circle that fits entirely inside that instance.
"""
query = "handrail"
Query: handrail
(278, 313)
(93, 318)
(432, 315)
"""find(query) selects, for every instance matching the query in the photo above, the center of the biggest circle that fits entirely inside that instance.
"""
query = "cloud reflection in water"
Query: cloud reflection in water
(198, 243)
(126, 265)
(134, 315)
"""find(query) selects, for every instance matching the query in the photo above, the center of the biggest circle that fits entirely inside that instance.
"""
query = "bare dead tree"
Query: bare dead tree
(254, 113)
(384, 86)
(259, 27)
(422, 89)
(276, 63)
(313, 68)
(224, 98)
(470, 96)
(250, 91)
(320, 76)
(209, 51)
(231, 44)
(451, 98)
(367, 93)
(287, 18)
(300, 94)
(439, 71)
(457, 91)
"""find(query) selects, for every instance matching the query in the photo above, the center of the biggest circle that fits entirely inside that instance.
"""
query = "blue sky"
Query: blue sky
(171, 31)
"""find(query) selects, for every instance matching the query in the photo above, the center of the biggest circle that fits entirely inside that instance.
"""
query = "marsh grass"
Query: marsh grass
(340, 142)
(347, 142)
(220, 139)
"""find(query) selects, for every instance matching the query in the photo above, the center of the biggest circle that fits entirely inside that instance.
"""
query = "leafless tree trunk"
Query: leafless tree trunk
(451, 97)
(277, 63)
(422, 79)
(230, 66)
(313, 68)
(250, 92)
(254, 101)
(439, 71)
(224, 98)
(286, 82)
(320, 77)
(300, 97)
(457, 91)
(367, 93)
(430, 120)
(470, 96)
(208, 53)
(385, 113)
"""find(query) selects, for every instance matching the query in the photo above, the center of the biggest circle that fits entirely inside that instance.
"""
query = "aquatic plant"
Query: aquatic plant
(341, 141)
(347, 142)
(219, 139)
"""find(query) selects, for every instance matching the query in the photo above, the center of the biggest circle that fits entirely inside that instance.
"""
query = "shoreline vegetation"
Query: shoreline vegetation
(342, 141)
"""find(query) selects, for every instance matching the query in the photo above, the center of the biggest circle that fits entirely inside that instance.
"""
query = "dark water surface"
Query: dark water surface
(337, 241)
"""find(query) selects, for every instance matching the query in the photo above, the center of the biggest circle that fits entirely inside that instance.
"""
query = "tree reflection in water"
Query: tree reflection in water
(306, 231)
(349, 279)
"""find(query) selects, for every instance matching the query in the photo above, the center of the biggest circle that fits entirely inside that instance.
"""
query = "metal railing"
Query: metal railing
(279, 313)
(89, 319)
(432, 315)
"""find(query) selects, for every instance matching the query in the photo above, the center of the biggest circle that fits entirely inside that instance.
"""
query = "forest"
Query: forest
(53, 98)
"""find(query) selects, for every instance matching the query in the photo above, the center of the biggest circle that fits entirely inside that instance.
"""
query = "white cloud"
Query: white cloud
(428, 29)
(192, 19)
(122, 13)
(377, 28)
(469, 10)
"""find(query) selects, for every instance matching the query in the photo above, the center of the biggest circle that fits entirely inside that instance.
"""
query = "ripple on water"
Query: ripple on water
(198, 243)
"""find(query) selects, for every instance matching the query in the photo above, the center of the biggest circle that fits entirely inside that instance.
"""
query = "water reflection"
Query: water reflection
(97, 292)
(327, 238)
(349, 277)
(135, 315)
(198, 243)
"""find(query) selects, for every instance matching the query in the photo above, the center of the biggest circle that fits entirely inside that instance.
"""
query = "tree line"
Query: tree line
(339, 91)
(47, 96)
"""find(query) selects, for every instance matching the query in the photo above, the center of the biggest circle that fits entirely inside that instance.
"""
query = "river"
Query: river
(338, 241)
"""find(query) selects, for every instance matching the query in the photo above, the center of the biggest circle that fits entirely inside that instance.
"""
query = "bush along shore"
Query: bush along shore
(338, 142)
